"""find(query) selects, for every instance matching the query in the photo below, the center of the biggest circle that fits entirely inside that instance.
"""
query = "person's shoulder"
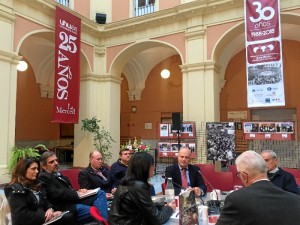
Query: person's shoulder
(171, 167)
(284, 172)
(15, 188)
(114, 164)
(193, 167)
(85, 170)
(140, 185)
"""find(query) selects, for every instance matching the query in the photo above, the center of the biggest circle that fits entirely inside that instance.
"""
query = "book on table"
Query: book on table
(56, 218)
(88, 193)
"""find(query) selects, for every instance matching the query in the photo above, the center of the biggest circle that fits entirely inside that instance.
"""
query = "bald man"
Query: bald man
(95, 175)
(260, 202)
(194, 180)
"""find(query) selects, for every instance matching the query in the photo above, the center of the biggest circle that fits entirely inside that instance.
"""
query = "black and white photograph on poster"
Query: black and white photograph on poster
(164, 146)
(220, 141)
(164, 130)
(264, 74)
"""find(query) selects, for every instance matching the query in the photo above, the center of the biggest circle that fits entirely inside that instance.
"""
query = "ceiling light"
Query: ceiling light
(22, 66)
(165, 73)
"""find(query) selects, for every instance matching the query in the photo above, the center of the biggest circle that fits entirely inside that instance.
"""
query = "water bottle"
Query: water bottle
(169, 192)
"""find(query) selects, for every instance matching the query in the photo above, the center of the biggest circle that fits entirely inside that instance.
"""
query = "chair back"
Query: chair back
(72, 174)
(222, 181)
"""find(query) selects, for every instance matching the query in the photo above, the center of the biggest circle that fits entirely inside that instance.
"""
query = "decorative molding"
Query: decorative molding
(135, 95)
(101, 78)
(46, 91)
(200, 67)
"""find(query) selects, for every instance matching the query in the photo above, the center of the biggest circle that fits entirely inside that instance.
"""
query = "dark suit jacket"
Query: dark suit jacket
(262, 203)
(196, 179)
(88, 179)
(60, 193)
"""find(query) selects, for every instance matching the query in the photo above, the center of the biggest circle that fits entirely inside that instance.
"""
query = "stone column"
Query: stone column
(8, 85)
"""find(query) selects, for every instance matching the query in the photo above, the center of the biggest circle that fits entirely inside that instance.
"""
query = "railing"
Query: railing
(143, 7)
(63, 2)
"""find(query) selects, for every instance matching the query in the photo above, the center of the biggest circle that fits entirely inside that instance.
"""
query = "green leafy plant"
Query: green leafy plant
(22, 152)
(102, 138)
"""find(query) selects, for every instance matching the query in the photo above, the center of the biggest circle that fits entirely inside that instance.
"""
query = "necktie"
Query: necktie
(184, 182)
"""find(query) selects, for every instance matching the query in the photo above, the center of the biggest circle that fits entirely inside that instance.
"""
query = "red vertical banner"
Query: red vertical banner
(265, 83)
(67, 68)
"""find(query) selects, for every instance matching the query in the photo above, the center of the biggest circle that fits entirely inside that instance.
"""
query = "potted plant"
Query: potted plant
(22, 152)
(102, 138)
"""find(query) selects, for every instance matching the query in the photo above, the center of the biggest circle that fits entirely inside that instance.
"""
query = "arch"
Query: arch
(137, 60)
(233, 41)
(38, 47)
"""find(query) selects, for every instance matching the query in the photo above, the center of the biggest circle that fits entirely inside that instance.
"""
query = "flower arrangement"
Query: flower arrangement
(136, 146)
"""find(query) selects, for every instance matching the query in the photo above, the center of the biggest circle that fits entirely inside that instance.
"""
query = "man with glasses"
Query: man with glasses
(278, 176)
(259, 202)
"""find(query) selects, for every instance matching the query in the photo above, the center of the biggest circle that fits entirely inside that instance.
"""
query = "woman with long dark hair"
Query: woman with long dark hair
(26, 198)
(132, 203)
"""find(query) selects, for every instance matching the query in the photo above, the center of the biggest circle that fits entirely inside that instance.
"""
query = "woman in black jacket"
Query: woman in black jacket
(27, 200)
(132, 203)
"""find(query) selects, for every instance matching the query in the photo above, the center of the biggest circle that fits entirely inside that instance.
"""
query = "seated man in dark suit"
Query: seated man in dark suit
(260, 202)
(185, 175)
(278, 176)
(95, 175)
(61, 194)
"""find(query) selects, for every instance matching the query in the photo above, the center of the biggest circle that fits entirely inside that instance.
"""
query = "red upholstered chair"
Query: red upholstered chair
(72, 174)
(208, 171)
(206, 168)
(297, 181)
(295, 172)
(222, 181)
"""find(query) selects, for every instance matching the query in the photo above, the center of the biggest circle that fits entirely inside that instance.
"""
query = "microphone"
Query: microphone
(212, 204)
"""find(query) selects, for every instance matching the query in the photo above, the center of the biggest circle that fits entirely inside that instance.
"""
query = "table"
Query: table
(174, 220)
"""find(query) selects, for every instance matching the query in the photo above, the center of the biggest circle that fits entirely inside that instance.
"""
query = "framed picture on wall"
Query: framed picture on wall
(164, 130)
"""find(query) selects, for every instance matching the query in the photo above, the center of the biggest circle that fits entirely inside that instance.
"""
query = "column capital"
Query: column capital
(203, 66)
(101, 78)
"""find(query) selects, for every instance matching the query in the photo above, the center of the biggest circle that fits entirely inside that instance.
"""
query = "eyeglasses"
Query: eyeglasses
(238, 174)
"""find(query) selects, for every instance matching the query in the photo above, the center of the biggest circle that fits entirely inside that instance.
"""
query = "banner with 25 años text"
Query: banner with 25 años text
(265, 85)
(67, 68)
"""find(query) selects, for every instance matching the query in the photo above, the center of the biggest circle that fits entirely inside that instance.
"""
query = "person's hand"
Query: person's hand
(198, 191)
(82, 191)
(172, 205)
(109, 195)
(49, 214)
(56, 213)
(113, 191)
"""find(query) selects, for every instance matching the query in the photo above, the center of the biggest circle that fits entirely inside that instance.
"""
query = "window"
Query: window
(63, 2)
(143, 7)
